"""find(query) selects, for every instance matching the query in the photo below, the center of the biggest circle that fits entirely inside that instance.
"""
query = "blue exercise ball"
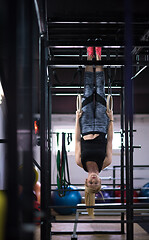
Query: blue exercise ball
(70, 198)
(145, 192)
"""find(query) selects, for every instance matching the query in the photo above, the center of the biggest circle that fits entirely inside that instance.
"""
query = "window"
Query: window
(1, 93)
(116, 144)
(69, 139)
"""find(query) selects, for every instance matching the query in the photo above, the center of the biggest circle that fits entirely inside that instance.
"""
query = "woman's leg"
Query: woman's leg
(101, 118)
(87, 119)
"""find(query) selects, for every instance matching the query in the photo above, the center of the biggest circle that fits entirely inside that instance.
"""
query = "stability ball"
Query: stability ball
(106, 195)
(71, 198)
(104, 199)
(145, 192)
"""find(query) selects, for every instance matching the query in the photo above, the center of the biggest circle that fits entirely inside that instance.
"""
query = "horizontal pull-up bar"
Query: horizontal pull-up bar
(90, 24)
(108, 210)
(83, 66)
(84, 43)
(76, 94)
(78, 87)
(77, 62)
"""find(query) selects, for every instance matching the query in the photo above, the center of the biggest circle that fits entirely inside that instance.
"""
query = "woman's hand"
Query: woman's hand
(110, 114)
(78, 114)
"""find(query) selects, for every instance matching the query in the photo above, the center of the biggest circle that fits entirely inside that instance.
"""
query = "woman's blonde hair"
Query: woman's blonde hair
(90, 198)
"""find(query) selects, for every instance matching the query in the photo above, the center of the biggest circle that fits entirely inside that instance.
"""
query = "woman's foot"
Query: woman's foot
(98, 53)
(90, 56)
(90, 53)
(98, 58)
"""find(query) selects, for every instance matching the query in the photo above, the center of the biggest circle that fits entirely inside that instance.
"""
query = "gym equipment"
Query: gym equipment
(109, 97)
(118, 195)
(145, 192)
(79, 103)
(102, 199)
(104, 195)
(62, 167)
(104, 209)
(79, 98)
(71, 198)
(64, 196)
(109, 102)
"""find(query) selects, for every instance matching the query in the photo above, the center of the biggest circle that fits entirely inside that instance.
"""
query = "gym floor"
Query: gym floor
(139, 233)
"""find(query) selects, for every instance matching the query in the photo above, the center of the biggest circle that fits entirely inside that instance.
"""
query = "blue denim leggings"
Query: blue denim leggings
(94, 118)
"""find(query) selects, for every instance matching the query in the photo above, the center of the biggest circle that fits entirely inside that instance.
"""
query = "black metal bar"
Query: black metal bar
(110, 184)
(49, 146)
(9, 37)
(114, 208)
(36, 164)
(46, 119)
(80, 189)
(40, 17)
(128, 116)
(85, 232)
(82, 87)
(97, 207)
(131, 156)
(131, 221)
(91, 24)
(135, 166)
(87, 221)
(3, 140)
(25, 109)
(140, 205)
(138, 72)
(44, 141)
(71, 42)
(122, 152)
(45, 154)
(114, 172)
(73, 62)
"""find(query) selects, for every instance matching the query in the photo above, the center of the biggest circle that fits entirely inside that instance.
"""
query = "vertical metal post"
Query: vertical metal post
(49, 203)
(9, 38)
(122, 153)
(44, 140)
(45, 120)
(25, 111)
(49, 148)
(114, 169)
(19, 103)
(128, 118)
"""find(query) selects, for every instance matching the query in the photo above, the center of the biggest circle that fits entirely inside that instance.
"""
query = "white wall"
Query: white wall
(141, 124)
(78, 175)
(141, 156)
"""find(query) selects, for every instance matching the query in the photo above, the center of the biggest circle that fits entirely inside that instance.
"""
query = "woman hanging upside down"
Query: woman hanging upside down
(93, 130)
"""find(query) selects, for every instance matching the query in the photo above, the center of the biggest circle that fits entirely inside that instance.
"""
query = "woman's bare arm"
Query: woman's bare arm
(78, 140)
(108, 158)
